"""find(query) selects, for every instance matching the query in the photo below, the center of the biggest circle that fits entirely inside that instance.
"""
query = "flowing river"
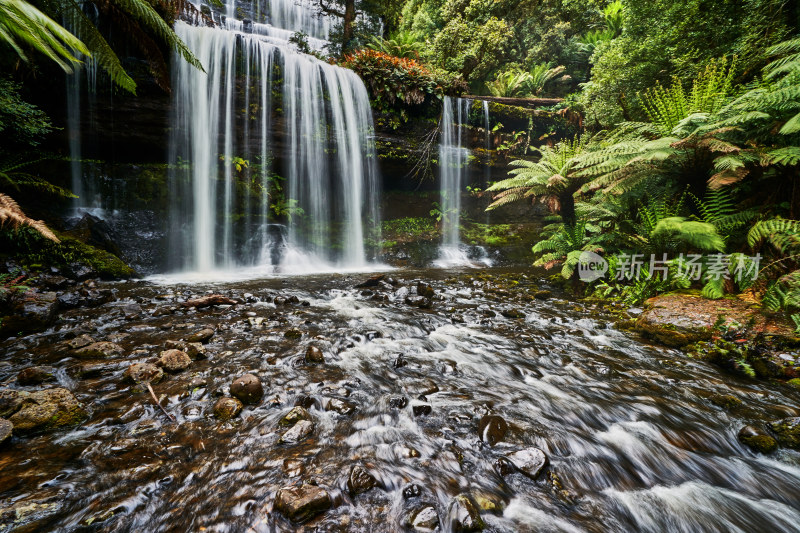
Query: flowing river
(633, 434)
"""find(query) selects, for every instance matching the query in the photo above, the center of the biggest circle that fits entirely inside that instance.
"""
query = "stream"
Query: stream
(633, 434)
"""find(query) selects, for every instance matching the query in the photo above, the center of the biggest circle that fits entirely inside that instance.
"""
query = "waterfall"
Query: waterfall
(231, 144)
(452, 165)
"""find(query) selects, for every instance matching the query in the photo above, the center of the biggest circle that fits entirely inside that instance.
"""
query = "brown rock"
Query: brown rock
(248, 389)
(47, 409)
(34, 375)
(359, 480)
(142, 373)
(98, 350)
(174, 360)
(202, 336)
(302, 503)
(314, 356)
(492, 429)
(227, 408)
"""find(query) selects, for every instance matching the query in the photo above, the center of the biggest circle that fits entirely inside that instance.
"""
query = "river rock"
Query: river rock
(6, 428)
(787, 432)
(373, 281)
(492, 429)
(174, 360)
(421, 409)
(412, 491)
(248, 389)
(298, 432)
(293, 334)
(294, 416)
(195, 350)
(47, 409)
(423, 519)
(143, 373)
(463, 515)
(207, 301)
(33, 312)
(512, 313)
(227, 408)
(343, 407)
(425, 290)
(314, 356)
(359, 480)
(293, 467)
(99, 350)
(419, 301)
(302, 503)
(10, 401)
(529, 461)
(202, 336)
(757, 439)
(398, 402)
(34, 375)
(71, 300)
(78, 342)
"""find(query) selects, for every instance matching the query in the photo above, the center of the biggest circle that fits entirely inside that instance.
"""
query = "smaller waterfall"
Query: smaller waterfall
(452, 165)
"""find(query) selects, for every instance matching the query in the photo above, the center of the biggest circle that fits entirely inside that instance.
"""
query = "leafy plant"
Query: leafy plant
(540, 75)
(509, 83)
(12, 214)
(564, 243)
(404, 44)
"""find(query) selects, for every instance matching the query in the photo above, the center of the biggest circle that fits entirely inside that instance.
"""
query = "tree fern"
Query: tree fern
(12, 214)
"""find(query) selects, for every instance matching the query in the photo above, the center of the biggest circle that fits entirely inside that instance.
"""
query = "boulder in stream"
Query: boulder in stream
(202, 336)
(295, 415)
(6, 428)
(359, 480)
(757, 439)
(248, 389)
(463, 515)
(298, 432)
(314, 356)
(34, 375)
(423, 519)
(31, 312)
(787, 432)
(46, 410)
(143, 373)
(529, 461)
(227, 408)
(492, 429)
(174, 360)
(78, 342)
(302, 503)
(99, 350)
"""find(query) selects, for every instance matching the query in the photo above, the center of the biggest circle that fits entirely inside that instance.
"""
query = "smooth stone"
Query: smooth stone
(227, 408)
(34, 375)
(398, 402)
(195, 350)
(101, 349)
(512, 313)
(412, 491)
(174, 360)
(463, 515)
(423, 519)
(314, 356)
(202, 336)
(757, 439)
(248, 389)
(294, 416)
(302, 503)
(78, 342)
(299, 432)
(342, 407)
(47, 409)
(492, 429)
(529, 461)
(143, 373)
(359, 480)
(421, 409)
(6, 428)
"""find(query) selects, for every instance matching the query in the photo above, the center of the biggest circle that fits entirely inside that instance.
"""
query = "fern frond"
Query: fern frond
(11, 213)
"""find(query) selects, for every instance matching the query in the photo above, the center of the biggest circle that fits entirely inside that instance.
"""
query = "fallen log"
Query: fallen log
(207, 301)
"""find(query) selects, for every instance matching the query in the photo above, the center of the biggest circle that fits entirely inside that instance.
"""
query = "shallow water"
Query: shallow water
(634, 442)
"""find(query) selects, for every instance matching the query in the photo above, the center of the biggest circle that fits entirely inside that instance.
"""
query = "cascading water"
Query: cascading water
(452, 162)
(230, 142)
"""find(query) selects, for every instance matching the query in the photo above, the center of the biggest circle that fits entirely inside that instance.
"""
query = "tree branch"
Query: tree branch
(329, 10)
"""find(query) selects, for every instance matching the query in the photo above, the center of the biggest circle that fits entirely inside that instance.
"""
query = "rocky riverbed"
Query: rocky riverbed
(410, 401)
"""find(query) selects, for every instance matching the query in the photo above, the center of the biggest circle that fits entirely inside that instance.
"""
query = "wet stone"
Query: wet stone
(492, 429)
(398, 402)
(504, 466)
(293, 333)
(425, 290)
(314, 356)
(787, 432)
(757, 439)
(46, 410)
(34, 375)
(423, 519)
(299, 432)
(293, 467)
(227, 408)
(6, 428)
(529, 461)
(421, 409)
(463, 515)
(359, 480)
(195, 350)
(343, 407)
(143, 373)
(202, 336)
(294, 416)
(512, 313)
(78, 342)
(248, 389)
(302, 503)
(412, 491)
(174, 360)
(99, 350)
(10, 401)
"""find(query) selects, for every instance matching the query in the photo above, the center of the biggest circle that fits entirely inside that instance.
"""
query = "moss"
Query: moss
(794, 383)
(761, 443)
(726, 401)
(107, 265)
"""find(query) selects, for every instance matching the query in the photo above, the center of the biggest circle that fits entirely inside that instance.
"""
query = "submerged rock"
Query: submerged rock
(227, 408)
(423, 519)
(343, 407)
(302, 503)
(359, 480)
(202, 336)
(195, 350)
(99, 350)
(463, 515)
(530, 461)
(299, 432)
(492, 429)
(294, 416)
(174, 360)
(78, 342)
(248, 389)
(787, 432)
(757, 439)
(34, 375)
(46, 410)
(314, 356)
(143, 373)
(10, 401)
(35, 311)
(6, 428)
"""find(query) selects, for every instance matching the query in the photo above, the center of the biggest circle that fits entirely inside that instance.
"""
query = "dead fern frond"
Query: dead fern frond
(11, 213)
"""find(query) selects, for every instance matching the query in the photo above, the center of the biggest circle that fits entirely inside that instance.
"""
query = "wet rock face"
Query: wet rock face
(463, 515)
(530, 461)
(757, 439)
(6, 429)
(33, 312)
(300, 504)
(174, 361)
(314, 356)
(99, 350)
(46, 410)
(227, 408)
(359, 480)
(34, 375)
(248, 389)
(143, 373)
(298, 432)
(787, 432)
(492, 429)
(423, 519)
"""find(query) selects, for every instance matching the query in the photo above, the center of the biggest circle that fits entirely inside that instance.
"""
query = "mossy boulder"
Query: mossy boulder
(787, 432)
(28, 312)
(757, 439)
(46, 410)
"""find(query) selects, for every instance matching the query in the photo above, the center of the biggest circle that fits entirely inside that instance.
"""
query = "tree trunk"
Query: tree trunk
(567, 210)
(348, 20)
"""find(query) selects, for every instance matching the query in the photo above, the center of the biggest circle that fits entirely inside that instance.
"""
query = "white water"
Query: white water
(322, 139)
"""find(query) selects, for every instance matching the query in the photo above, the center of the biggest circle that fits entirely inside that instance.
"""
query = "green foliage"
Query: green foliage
(404, 44)
(20, 122)
(563, 244)
(509, 83)
(409, 226)
(692, 234)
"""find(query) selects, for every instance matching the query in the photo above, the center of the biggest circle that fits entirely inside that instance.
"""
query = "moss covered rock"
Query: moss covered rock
(46, 410)
(787, 432)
